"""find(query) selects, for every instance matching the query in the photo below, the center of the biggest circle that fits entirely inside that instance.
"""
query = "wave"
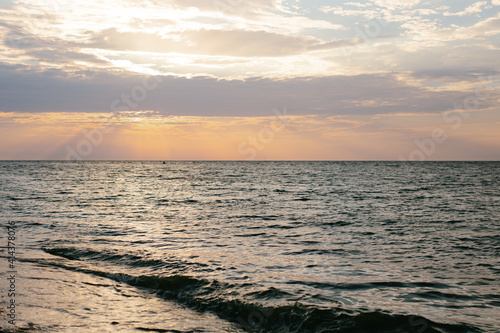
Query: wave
(253, 316)
(119, 258)
(372, 285)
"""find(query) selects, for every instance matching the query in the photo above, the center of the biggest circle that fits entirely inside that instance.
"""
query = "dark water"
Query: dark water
(253, 246)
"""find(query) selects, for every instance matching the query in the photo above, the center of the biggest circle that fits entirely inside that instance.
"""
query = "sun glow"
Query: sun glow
(149, 135)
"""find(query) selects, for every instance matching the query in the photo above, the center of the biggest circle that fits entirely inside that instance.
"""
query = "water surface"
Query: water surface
(255, 246)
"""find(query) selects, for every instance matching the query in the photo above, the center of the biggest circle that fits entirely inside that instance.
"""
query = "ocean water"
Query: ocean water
(250, 246)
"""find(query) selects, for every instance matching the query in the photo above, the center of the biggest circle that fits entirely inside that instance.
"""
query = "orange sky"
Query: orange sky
(153, 137)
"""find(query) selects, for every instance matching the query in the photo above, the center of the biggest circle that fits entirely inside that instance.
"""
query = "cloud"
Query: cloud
(59, 57)
(396, 4)
(230, 7)
(49, 50)
(99, 91)
(432, 31)
(238, 43)
(481, 30)
(472, 9)
(262, 38)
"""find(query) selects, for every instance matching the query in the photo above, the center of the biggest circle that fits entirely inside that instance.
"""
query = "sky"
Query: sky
(250, 80)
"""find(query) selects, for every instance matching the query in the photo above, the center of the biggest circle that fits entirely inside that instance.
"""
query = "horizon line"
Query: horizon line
(201, 160)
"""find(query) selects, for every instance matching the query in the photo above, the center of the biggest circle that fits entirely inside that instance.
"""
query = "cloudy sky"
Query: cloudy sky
(240, 80)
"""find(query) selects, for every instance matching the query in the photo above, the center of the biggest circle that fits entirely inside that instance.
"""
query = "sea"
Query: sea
(257, 246)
